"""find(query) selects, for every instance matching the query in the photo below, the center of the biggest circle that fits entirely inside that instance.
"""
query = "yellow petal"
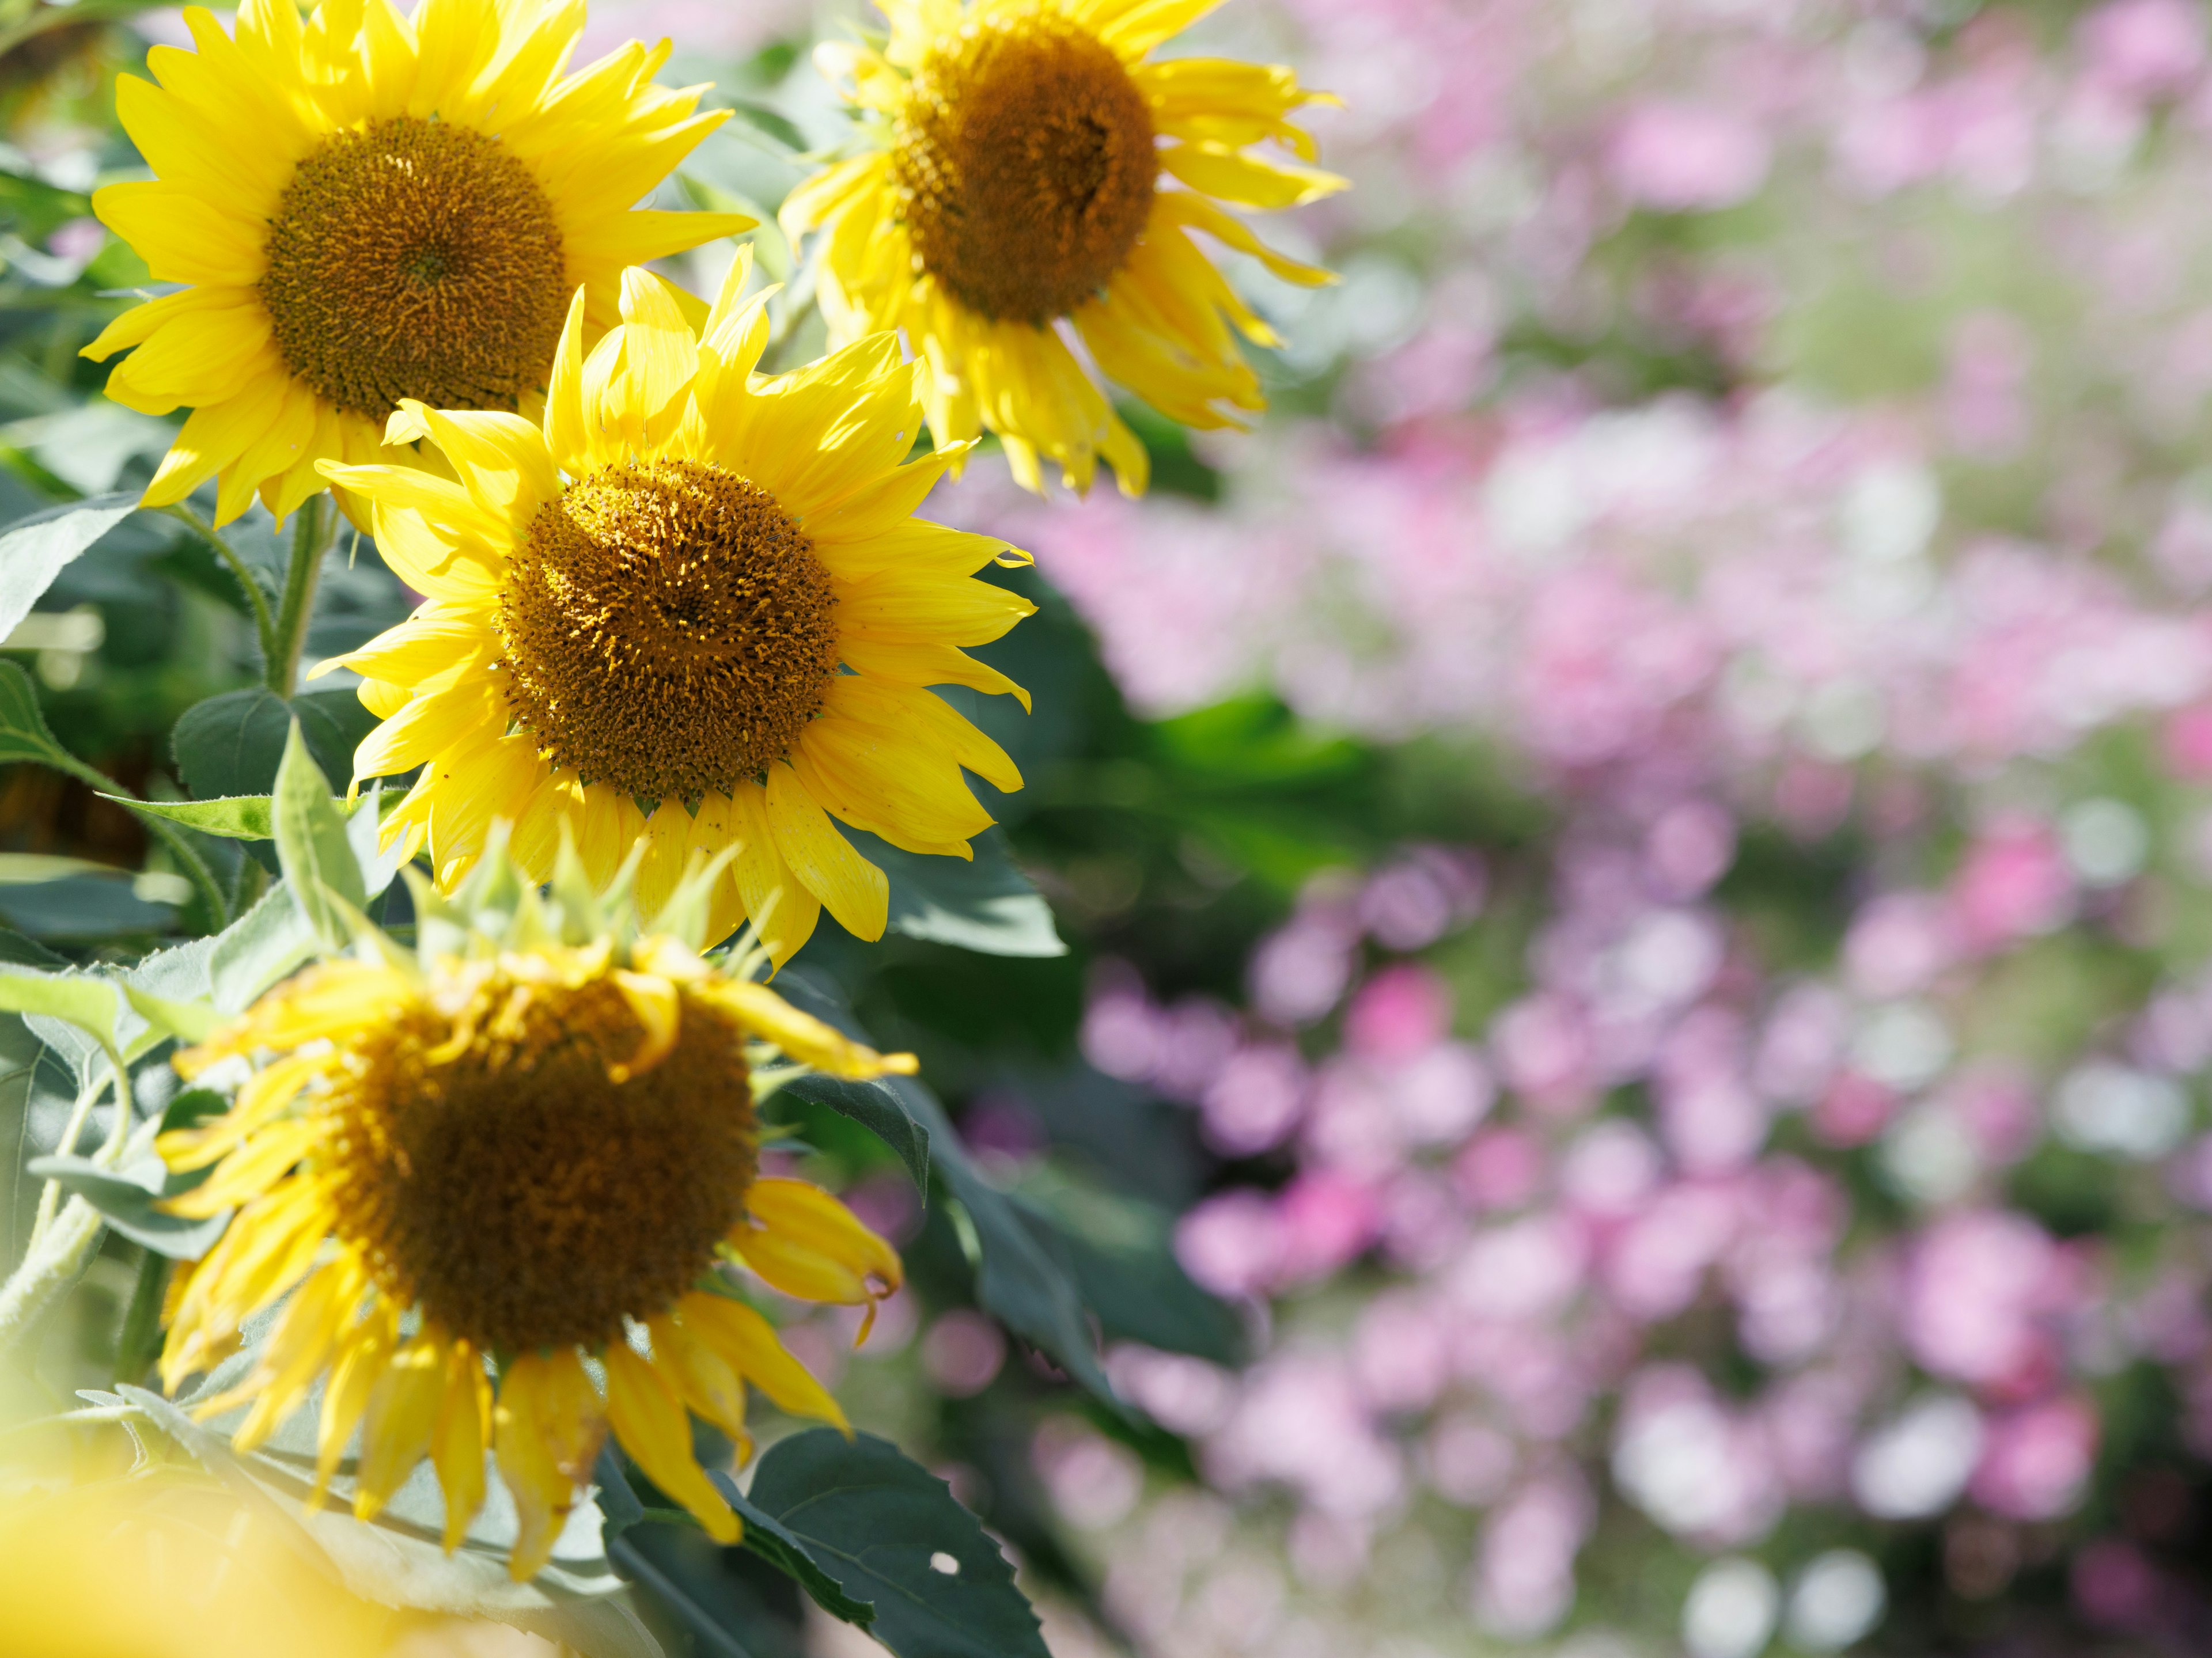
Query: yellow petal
(850, 887)
(803, 1241)
(782, 910)
(549, 1422)
(709, 1384)
(801, 1035)
(362, 1355)
(457, 1446)
(647, 1416)
(403, 1415)
(249, 1171)
(749, 1344)
(658, 1008)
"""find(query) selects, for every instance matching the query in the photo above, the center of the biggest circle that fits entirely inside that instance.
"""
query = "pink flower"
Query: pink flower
(1397, 1013)
(1525, 1564)
(1897, 946)
(1255, 1099)
(2144, 48)
(2036, 1460)
(1231, 1243)
(1682, 158)
(1325, 1220)
(2014, 884)
(2187, 742)
(1977, 1291)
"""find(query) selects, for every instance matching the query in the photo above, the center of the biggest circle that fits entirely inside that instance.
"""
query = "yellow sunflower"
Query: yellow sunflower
(475, 1169)
(364, 207)
(642, 606)
(1028, 168)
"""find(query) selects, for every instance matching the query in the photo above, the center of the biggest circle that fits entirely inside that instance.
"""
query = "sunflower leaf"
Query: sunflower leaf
(34, 550)
(986, 905)
(1024, 1275)
(86, 1002)
(774, 1542)
(257, 949)
(877, 1108)
(884, 1526)
(230, 746)
(235, 817)
(317, 860)
(24, 734)
(126, 1198)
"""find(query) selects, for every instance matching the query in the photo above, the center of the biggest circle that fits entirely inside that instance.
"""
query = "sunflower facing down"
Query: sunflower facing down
(473, 1168)
(643, 605)
(1017, 180)
(364, 207)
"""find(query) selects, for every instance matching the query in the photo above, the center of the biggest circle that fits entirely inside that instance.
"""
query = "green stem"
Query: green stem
(313, 531)
(50, 1198)
(65, 1240)
(140, 1342)
(50, 1268)
(264, 624)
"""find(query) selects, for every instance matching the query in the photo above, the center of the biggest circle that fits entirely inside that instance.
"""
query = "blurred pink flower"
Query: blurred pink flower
(2036, 1460)
(2014, 884)
(1979, 1290)
(1687, 157)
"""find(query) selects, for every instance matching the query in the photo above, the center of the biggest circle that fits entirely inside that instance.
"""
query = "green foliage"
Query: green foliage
(888, 1531)
(311, 845)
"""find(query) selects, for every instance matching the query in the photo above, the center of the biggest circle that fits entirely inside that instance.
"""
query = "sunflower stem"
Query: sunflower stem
(50, 1268)
(264, 624)
(140, 1342)
(313, 532)
(63, 1240)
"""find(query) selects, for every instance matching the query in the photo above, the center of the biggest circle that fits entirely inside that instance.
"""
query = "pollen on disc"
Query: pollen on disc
(413, 259)
(1024, 166)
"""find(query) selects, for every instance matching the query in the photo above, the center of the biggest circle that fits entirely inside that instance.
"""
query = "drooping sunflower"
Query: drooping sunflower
(1027, 171)
(643, 605)
(364, 207)
(530, 1143)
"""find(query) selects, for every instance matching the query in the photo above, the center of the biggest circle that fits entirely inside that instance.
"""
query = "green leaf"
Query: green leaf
(126, 1197)
(24, 734)
(1140, 1290)
(236, 817)
(875, 1107)
(771, 122)
(35, 549)
(1025, 1276)
(88, 1004)
(312, 846)
(189, 1022)
(259, 949)
(231, 745)
(335, 724)
(886, 1528)
(774, 1542)
(396, 1561)
(987, 905)
(38, 1089)
(700, 1581)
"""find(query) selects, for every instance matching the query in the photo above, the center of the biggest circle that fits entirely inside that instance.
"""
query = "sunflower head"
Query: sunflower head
(1028, 176)
(362, 206)
(531, 1141)
(691, 605)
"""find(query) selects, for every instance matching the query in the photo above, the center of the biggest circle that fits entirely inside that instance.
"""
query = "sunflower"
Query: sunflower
(636, 616)
(1015, 182)
(363, 207)
(505, 1182)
